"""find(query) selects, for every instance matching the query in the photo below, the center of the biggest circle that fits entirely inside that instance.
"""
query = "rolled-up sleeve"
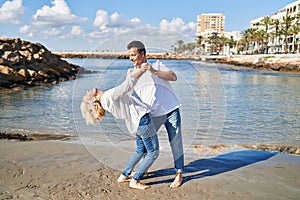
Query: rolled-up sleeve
(125, 87)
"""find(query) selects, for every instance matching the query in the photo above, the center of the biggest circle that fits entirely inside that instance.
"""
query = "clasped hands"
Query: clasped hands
(147, 66)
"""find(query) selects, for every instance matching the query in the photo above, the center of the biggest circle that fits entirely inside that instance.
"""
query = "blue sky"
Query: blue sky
(84, 25)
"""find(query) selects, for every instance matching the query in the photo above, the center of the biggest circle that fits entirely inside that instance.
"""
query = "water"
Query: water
(220, 106)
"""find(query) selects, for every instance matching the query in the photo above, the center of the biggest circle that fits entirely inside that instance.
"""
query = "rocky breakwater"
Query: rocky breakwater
(283, 63)
(25, 64)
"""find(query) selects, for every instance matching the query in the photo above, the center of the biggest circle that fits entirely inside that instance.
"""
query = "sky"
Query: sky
(100, 25)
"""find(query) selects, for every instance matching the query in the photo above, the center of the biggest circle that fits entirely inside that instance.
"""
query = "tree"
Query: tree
(250, 33)
(199, 40)
(287, 21)
(275, 23)
(223, 41)
(260, 37)
(213, 41)
(266, 23)
(294, 30)
(178, 46)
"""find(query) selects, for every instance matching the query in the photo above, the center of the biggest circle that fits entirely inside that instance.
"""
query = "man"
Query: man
(154, 89)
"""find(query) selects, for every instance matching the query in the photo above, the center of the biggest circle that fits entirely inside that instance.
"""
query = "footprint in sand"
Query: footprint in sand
(10, 169)
(5, 193)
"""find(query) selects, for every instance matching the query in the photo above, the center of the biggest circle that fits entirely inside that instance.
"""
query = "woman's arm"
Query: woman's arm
(127, 85)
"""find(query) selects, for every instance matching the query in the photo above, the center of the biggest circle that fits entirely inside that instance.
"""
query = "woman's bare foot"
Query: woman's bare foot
(123, 178)
(138, 185)
(177, 181)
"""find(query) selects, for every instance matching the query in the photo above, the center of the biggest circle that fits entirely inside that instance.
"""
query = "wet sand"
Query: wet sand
(64, 170)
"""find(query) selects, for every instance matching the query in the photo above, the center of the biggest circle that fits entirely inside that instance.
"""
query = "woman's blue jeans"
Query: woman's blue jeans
(147, 147)
(172, 122)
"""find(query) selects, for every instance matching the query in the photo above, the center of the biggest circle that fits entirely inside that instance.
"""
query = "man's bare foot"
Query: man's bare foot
(138, 185)
(177, 181)
(123, 178)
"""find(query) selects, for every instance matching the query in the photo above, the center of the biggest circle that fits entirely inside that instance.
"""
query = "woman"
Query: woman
(121, 104)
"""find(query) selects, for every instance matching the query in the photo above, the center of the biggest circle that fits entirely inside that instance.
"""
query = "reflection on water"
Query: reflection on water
(219, 105)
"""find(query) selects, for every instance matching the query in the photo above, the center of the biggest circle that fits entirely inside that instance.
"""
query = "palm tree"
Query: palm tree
(213, 41)
(297, 18)
(199, 41)
(223, 41)
(287, 21)
(294, 30)
(244, 42)
(260, 37)
(178, 46)
(266, 21)
(251, 37)
(275, 23)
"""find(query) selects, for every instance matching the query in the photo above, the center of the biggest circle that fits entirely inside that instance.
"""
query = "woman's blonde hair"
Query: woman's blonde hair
(91, 108)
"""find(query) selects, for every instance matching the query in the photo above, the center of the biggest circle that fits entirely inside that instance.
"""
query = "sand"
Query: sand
(66, 170)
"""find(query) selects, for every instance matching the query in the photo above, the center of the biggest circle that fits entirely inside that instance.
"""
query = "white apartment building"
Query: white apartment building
(277, 44)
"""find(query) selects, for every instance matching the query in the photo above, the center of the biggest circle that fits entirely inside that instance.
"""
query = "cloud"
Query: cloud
(52, 32)
(101, 19)
(32, 31)
(11, 12)
(178, 25)
(109, 26)
(76, 31)
(25, 29)
(115, 22)
(54, 21)
(57, 15)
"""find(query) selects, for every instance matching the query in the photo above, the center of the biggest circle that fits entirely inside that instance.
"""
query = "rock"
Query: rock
(5, 70)
(6, 47)
(43, 74)
(27, 54)
(258, 60)
(23, 72)
(271, 62)
(14, 136)
(24, 64)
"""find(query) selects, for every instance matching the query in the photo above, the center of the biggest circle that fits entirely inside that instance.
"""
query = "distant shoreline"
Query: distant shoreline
(118, 55)
(273, 62)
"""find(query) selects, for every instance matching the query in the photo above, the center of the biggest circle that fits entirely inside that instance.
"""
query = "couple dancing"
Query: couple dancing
(157, 105)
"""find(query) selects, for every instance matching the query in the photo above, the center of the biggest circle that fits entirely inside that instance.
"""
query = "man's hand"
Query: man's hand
(146, 66)
(167, 75)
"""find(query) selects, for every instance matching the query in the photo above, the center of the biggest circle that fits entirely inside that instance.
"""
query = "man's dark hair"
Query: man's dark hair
(137, 44)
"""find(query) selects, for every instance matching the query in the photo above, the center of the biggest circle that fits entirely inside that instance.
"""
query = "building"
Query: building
(277, 44)
(209, 25)
(210, 22)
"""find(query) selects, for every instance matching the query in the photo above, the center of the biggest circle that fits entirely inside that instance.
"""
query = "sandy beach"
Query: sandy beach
(64, 170)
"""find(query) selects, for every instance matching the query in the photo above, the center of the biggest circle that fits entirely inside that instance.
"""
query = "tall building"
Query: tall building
(209, 25)
(210, 22)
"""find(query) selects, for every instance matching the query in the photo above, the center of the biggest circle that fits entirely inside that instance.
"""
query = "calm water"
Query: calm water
(219, 105)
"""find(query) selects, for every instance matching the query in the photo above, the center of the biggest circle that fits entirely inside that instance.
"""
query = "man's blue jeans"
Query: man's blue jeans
(147, 145)
(172, 122)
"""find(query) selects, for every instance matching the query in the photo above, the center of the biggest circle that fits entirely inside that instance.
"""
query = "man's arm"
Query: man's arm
(167, 75)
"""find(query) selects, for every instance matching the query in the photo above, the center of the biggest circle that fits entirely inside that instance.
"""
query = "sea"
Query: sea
(221, 106)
